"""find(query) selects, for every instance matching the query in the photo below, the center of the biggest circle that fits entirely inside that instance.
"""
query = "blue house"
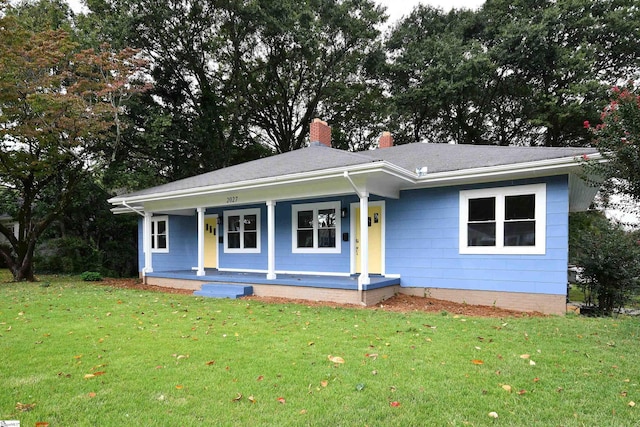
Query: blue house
(476, 224)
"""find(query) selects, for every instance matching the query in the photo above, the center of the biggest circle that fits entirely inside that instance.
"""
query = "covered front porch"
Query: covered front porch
(335, 288)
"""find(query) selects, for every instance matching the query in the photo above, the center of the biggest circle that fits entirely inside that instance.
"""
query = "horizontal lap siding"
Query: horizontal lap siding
(183, 248)
(286, 260)
(424, 224)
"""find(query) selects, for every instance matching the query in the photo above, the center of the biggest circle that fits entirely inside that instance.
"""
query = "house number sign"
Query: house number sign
(232, 199)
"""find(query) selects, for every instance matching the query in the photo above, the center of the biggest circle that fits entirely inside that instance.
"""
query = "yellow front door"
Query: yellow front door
(211, 242)
(375, 240)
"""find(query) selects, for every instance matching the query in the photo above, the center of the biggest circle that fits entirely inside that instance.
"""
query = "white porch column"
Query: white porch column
(271, 240)
(200, 271)
(364, 242)
(146, 244)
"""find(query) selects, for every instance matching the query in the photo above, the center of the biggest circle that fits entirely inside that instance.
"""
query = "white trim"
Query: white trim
(315, 207)
(242, 213)
(540, 192)
(154, 235)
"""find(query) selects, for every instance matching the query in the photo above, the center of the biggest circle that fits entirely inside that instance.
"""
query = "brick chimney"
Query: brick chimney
(386, 140)
(319, 132)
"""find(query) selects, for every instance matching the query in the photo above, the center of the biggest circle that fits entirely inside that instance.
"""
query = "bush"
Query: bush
(91, 276)
(67, 255)
(610, 257)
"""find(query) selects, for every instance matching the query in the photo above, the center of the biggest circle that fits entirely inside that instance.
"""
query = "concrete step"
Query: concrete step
(220, 290)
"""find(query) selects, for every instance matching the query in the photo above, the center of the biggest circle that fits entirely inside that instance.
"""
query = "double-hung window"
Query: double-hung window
(506, 220)
(160, 234)
(316, 228)
(242, 231)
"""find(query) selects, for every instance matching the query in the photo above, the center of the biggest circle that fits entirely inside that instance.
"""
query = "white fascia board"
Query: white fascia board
(537, 168)
(368, 168)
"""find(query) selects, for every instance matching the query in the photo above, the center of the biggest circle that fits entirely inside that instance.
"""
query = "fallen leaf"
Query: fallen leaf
(536, 379)
(42, 424)
(252, 399)
(632, 403)
(92, 394)
(282, 400)
(303, 411)
(532, 363)
(87, 376)
(310, 343)
(179, 387)
(506, 387)
(374, 372)
(477, 362)
(493, 414)
(210, 362)
(524, 356)
(336, 359)
(360, 387)
(395, 404)
(97, 374)
(324, 383)
(260, 378)
(237, 398)
(521, 392)
(24, 407)
(372, 355)
(77, 357)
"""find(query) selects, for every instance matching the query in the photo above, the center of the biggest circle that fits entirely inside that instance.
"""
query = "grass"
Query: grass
(85, 354)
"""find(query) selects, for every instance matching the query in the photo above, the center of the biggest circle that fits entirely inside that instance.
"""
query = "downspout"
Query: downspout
(362, 196)
(133, 209)
(145, 237)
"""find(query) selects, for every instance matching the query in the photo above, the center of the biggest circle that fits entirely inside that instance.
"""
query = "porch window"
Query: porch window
(315, 228)
(242, 231)
(160, 234)
(508, 220)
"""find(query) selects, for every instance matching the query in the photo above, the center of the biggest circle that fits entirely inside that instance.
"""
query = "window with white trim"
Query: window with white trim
(505, 220)
(315, 228)
(242, 231)
(160, 234)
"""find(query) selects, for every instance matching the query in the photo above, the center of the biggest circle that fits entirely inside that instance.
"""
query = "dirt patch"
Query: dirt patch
(400, 303)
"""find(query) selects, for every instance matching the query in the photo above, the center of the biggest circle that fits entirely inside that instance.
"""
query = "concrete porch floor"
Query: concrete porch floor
(341, 289)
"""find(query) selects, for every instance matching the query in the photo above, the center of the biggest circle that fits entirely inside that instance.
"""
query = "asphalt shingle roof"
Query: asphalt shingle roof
(436, 157)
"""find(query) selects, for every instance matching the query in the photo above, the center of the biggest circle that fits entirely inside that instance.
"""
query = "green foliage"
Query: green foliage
(513, 73)
(91, 276)
(67, 255)
(107, 356)
(58, 106)
(610, 257)
(617, 137)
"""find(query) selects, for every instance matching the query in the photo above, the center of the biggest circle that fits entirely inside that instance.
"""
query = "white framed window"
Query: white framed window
(505, 220)
(242, 231)
(160, 234)
(315, 228)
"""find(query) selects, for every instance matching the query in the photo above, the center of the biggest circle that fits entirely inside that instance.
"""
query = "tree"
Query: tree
(55, 110)
(516, 72)
(617, 137)
(609, 257)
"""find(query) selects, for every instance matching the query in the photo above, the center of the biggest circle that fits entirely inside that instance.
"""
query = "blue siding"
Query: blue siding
(425, 224)
(183, 246)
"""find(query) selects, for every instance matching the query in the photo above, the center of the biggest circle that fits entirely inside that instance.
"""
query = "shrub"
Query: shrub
(91, 276)
(610, 257)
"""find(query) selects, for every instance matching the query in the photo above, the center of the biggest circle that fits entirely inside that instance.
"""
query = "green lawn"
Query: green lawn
(90, 355)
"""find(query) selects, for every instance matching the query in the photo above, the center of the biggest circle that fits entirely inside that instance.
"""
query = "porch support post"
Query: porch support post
(364, 242)
(271, 240)
(146, 244)
(200, 271)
